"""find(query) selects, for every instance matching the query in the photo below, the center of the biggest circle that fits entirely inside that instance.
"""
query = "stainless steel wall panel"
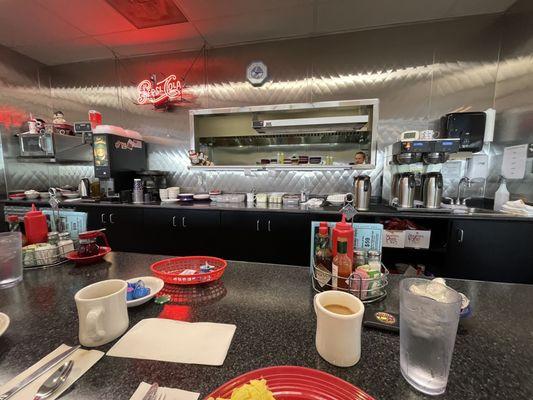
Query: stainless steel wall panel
(418, 72)
(465, 65)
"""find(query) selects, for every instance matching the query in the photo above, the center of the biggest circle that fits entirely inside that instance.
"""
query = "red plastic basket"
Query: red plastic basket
(179, 270)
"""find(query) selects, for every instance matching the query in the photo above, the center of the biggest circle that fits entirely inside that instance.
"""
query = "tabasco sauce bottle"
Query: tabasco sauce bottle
(342, 265)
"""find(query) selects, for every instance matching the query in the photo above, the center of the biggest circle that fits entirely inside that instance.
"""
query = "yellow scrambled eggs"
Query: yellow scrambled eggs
(254, 390)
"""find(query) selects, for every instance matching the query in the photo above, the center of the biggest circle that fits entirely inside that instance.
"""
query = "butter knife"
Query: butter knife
(151, 393)
(34, 375)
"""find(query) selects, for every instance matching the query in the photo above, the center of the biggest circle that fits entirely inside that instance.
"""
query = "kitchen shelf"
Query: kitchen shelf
(275, 167)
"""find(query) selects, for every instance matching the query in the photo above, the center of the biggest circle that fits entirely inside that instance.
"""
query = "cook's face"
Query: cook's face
(359, 159)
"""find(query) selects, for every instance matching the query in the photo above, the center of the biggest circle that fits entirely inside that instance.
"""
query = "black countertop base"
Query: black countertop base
(376, 210)
(272, 308)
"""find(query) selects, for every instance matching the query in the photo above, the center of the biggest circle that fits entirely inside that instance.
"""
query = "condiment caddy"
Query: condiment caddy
(347, 257)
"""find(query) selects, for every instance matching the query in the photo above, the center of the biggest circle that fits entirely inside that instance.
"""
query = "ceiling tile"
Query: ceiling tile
(270, 24)
(153, 40)
(196, 10)
(80, 49)
(344, 15)
(95, 17)
(25, 23)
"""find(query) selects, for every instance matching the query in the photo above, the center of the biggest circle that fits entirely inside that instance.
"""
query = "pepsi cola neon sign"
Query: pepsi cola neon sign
(158, 93)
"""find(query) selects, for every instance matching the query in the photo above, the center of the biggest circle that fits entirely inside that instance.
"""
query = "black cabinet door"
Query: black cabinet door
(160, 230)
(490, 250)
(124, 226)
(124, 229)
(182, 232)
(281, 238)
(242, 236)
(198, 233)
(288, 238)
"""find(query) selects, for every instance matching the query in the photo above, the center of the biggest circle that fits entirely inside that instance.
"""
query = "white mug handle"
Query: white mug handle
(94, 323)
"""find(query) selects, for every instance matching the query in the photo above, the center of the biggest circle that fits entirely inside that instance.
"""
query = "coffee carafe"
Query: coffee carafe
(406, 190)
(84, 188)
(362, 191)
(432, 191)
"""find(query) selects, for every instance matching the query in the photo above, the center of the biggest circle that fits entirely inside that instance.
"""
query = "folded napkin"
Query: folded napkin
(176, 341)
(170, 394)
(517, 207)
(83, 361)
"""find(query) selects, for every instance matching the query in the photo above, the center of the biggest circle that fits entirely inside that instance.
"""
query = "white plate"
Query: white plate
(4, 323)
(201, 197)
(169, 200)
(70, 195)
(155, 285)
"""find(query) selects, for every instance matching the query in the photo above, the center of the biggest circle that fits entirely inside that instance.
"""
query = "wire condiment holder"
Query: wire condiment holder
(368, 290)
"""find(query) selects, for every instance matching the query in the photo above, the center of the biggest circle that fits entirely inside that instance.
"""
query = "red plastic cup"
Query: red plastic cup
(95, 118)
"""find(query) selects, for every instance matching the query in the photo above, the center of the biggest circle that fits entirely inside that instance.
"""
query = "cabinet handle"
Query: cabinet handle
(257, 226)
(111, 218)
(183, 222)
(174, 221)
(102, 218)
(460, 234)
(269, 225)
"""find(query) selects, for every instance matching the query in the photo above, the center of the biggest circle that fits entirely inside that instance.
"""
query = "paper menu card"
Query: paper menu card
(170, 394)
(176, 341)
(83, 361)
(514, 161)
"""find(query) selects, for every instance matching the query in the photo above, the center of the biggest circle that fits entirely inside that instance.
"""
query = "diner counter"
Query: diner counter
(376, 209)
(271, 305)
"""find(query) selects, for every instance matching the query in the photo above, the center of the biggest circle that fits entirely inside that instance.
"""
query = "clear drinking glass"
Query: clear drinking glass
(10, 259)
(427, 335)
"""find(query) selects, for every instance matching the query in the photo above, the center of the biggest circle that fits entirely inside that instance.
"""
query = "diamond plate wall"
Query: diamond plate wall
(418, 72)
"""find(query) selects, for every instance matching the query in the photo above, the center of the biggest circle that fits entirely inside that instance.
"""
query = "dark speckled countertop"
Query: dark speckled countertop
(272, 308)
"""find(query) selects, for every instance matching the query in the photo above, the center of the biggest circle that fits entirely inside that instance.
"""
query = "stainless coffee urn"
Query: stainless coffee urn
(362, 191)
(432, 190)
(406, 190)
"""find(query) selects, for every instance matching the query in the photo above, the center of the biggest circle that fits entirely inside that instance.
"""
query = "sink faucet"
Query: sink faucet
(466, 181)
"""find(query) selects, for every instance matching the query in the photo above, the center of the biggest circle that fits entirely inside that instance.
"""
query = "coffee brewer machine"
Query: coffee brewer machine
(410, 172)
(153, 181)
(119, 155)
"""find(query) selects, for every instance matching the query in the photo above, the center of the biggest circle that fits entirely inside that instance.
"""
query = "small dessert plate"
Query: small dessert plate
(4, 323)
(154, 284)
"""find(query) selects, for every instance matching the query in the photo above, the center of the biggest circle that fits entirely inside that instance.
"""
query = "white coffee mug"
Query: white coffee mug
(173, 192)
(163, 194)
(338, 336)
(102, 312)
(250, 197)
(261, 197)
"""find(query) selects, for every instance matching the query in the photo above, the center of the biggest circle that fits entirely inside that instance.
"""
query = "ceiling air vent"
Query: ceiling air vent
(149, 13)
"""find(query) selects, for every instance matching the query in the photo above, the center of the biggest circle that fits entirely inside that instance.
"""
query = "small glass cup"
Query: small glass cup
(11, 260)
(427, 335)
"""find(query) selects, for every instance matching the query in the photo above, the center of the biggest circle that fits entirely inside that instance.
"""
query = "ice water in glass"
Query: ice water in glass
(10, 259)
(427, 334)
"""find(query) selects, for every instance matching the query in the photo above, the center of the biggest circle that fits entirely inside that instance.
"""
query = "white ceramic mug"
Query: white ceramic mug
(102, 312)
(338, 336)
(250, 197)
(163, 194)
(173, 192)
(261, 197)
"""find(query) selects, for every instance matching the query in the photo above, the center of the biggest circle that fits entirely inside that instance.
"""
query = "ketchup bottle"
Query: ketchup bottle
(35, 226)
(345, 230)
